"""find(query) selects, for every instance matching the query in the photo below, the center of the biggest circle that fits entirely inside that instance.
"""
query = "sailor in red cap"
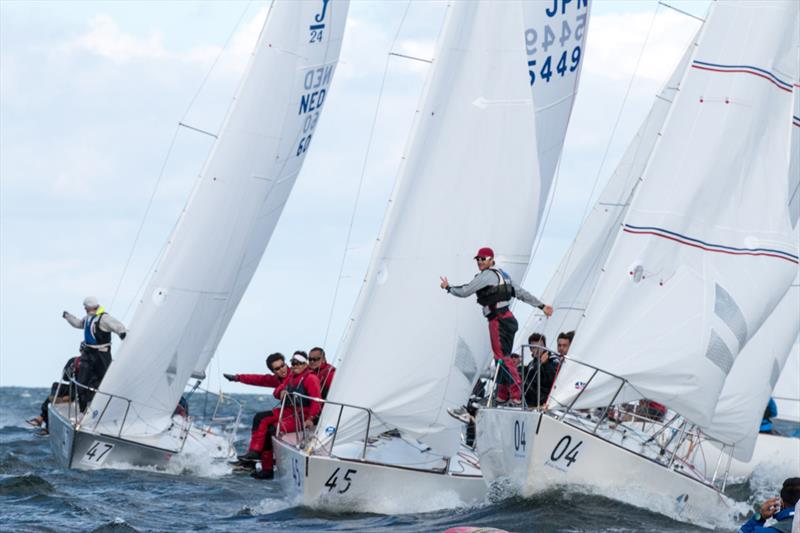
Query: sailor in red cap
(495, 289)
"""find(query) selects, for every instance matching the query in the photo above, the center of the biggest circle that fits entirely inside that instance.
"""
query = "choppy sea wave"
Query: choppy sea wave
(197, 494)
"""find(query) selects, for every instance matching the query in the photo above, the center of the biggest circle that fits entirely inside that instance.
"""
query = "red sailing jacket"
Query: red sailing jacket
(305, 383)
(325, 374)
(262, 380)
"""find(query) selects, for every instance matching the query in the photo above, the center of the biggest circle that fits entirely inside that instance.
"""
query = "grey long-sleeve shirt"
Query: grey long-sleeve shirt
(106, 323)
(490, 277)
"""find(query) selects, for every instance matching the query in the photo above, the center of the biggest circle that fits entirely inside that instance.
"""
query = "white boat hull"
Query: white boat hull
(79, 448)
(529, 452)
(324, 481)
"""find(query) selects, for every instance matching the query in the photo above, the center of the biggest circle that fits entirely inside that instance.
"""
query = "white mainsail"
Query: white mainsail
(676, 302)
(761, 364)
(227, 223)
(470, 178)
(576, 277)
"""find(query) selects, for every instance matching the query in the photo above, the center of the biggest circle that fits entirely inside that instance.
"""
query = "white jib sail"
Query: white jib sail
(753, 377)
(787, 391)
(470, 179)
(229, 219)
(576, 277)
(677, 300)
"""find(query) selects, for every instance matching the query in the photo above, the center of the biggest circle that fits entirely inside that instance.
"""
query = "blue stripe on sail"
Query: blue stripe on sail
(745, 67)
(715, 247)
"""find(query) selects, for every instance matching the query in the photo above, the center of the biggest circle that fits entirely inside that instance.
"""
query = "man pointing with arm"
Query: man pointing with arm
(495, 290)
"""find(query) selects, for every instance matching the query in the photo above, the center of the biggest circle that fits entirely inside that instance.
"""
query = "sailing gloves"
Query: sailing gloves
(230, 377)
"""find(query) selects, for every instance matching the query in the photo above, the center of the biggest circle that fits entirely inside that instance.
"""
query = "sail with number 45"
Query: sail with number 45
(226, 225)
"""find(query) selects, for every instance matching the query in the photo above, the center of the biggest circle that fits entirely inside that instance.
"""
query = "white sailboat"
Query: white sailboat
(479, 165)
(675, 303)
(214, 249)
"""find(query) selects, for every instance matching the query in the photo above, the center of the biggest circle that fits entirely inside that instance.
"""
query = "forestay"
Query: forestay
(576, 277)
(228, 221)
(676, 302)
(470, 178)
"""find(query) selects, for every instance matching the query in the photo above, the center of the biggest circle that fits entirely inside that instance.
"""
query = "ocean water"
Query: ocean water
(37, 495)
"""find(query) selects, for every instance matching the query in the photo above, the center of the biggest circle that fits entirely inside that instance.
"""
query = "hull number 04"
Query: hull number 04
(563, 450)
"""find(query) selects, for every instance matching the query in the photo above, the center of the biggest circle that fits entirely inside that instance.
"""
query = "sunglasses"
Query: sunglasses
(297, 363)
(482, 258)
(315, 359)
(276, 368)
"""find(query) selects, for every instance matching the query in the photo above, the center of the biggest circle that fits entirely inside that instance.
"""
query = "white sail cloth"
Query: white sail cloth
(228, 221)
(470, 178)
(576, 277)
(753, 377)
(555, 37)
(787, 391)
(677, 300)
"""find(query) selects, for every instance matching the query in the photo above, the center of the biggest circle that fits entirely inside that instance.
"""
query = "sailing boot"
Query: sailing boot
(266, 466)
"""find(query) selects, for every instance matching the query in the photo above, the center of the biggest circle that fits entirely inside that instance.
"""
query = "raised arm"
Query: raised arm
(480, 281)
(74, 321)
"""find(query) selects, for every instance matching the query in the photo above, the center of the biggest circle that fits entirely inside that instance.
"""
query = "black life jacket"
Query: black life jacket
(93, 332)
(300, 389)
(502, 292)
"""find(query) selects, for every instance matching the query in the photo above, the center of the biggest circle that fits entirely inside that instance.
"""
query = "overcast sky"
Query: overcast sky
(90, 97)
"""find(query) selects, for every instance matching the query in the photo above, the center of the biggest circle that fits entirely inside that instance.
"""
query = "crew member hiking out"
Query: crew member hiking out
(495, 290)
(97, 327)
(276, 363)
(301, 381)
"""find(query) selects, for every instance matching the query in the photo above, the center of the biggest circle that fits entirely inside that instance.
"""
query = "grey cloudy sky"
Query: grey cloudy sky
(90, 96)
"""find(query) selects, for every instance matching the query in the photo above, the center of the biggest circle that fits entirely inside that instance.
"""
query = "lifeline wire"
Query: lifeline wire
(167, 156)
(363, 173)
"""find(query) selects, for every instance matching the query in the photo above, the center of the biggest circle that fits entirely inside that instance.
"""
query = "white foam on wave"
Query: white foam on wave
(727, 517)
(766, 481)
(271, 505)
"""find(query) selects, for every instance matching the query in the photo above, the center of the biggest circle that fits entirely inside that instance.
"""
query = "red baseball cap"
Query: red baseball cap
(484, 252)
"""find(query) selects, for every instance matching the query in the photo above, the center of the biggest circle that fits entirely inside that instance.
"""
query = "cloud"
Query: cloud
(106, 39)
(616, 40)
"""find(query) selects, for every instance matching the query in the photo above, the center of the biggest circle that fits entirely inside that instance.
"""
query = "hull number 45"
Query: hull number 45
(333, 481)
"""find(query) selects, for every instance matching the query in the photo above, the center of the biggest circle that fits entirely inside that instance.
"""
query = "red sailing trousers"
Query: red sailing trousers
(502, 328)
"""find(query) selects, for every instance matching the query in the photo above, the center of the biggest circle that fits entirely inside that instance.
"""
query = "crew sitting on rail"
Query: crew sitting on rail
(770, 412)
(276, 363)
(321, 368)
(97, 327)
(65, 391)
(301, 381)
(781, 509)
(495, 290)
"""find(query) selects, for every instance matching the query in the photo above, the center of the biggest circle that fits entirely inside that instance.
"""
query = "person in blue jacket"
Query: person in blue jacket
(780, 509)
(770, 412)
